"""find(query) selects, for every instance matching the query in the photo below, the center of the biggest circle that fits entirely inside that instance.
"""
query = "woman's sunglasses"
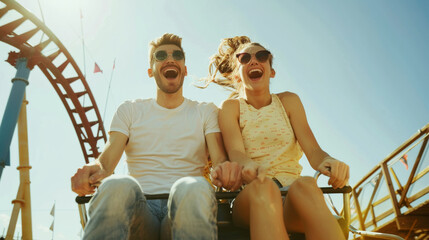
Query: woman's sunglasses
(262, 56)
(161, 55)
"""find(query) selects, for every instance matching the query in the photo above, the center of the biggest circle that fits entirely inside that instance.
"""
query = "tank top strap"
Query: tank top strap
(281, 109)
(243, 103)
(243, 110)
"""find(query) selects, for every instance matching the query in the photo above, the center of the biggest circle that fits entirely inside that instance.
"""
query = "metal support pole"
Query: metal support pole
(23, 198)
(24, 172)
(12, 110)
(17, 203)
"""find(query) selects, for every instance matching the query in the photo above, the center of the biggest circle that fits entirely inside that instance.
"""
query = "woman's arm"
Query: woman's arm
(229, 115)
(318, 159)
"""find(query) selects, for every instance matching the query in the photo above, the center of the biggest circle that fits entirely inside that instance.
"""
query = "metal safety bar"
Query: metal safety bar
(82, 200)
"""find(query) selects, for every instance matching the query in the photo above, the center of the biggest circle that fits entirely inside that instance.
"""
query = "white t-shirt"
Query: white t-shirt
(165, 144)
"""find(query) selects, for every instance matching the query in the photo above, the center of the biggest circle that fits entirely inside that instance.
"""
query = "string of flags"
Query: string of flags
(53, 221)
(404, 160)
(97, 68)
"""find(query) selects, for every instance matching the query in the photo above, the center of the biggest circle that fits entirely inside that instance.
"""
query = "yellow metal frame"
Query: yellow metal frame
(405, 222)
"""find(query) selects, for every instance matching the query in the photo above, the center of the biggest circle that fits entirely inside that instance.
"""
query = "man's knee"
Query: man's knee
(191, 192)
(192, 185)
(118, 190)
(120, 184)
(192, 209)
(112, 207)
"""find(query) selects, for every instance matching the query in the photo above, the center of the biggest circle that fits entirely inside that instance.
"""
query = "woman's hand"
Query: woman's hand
(252, 171)
(227, 175)
(337, 171)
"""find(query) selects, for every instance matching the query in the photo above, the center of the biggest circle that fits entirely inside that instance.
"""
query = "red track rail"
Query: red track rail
(86, 119)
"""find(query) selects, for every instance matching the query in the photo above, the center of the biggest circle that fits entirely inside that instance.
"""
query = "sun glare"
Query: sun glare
(72, 16)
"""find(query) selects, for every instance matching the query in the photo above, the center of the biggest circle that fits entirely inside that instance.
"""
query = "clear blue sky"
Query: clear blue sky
(360, 67)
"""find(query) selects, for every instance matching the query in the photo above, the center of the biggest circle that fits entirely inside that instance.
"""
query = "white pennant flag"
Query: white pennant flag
(53, 221)
(52, 226)
(53, 211)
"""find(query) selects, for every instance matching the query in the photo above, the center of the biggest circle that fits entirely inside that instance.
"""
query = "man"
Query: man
(167, 141)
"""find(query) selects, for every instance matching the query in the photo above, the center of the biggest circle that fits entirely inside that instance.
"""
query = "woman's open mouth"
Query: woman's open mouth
(255, 74)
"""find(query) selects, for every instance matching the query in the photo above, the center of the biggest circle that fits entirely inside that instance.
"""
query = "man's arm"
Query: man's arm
(87, 177)
(216, 149)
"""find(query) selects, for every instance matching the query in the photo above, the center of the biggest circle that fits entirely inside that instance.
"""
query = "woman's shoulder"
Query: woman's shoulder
(290, 101)
(286, 97)
(230, 107)
(231, 103)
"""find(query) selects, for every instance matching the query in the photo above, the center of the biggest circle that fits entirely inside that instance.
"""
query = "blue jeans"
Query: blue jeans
(119, 210)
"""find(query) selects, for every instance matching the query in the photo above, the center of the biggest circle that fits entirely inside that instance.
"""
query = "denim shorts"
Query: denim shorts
(158, 207)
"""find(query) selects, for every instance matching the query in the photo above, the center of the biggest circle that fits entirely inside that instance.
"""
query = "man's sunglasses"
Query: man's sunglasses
(262, 56)
(161, 55)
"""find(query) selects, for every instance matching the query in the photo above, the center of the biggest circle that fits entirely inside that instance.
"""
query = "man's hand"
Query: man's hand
(337, 171)
(251, 171)
(87, 178)
(227, 175)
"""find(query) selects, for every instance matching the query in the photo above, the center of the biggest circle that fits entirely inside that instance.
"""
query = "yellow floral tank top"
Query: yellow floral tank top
(269, 140)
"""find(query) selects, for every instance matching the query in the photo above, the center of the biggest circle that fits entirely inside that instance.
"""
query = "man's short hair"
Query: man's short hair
(167, 38)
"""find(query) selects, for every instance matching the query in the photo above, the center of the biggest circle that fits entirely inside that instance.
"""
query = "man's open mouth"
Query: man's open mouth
(171, 73)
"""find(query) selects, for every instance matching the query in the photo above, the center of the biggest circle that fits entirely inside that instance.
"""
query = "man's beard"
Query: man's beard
(167, 88)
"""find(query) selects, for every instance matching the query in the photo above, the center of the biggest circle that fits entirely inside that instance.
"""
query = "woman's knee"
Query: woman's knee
(304, 188)
(304, 184)
(263, 191)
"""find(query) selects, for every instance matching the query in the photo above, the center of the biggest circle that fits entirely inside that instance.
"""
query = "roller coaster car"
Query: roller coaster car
(227, 231)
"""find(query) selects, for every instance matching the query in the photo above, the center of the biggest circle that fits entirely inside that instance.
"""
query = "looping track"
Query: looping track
(59, 68)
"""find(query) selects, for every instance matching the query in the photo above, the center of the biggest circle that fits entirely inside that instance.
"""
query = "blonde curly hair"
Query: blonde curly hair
(224, 62)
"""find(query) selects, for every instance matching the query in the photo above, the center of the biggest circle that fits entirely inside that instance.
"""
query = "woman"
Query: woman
(267, 133)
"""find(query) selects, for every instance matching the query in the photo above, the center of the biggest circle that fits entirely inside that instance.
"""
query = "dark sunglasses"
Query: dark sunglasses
(262, 56)
(161, 55)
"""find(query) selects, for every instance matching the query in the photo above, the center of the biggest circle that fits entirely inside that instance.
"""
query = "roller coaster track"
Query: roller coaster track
(59, 68)
(400, 209)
